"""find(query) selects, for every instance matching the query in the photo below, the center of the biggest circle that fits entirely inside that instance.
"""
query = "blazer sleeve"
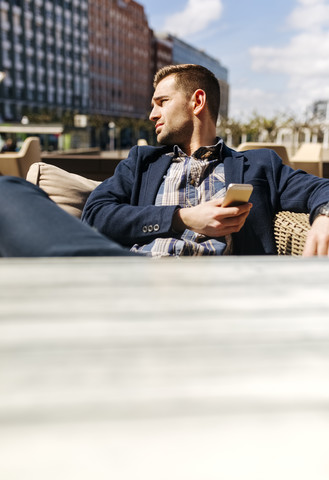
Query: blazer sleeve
(282, 187)
(300, 191)
(112, 208)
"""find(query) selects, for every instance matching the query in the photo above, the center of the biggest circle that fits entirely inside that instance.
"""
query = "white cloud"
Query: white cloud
(305, 59)
(307, 55)
(195, 17)
(309, 14)
(244, 101)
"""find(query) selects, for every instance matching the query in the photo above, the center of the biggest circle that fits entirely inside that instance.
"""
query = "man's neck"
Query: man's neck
(195, 145)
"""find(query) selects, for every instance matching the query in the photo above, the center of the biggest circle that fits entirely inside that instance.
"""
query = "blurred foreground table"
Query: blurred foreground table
(196, 369)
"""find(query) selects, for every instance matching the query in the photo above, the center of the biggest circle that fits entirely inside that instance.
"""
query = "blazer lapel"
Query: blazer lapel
(152, 179)
(233, 166)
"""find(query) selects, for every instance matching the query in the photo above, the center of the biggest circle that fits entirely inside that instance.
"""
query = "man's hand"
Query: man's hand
(211, 219)
(317, 242)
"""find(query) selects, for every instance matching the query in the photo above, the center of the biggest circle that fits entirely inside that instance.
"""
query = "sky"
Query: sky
(276, 52)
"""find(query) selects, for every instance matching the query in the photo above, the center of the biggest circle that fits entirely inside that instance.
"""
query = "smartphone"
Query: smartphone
(237, 194)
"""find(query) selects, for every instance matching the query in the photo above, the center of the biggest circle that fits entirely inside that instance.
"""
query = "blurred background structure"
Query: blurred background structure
(78, 74)
(80, 66)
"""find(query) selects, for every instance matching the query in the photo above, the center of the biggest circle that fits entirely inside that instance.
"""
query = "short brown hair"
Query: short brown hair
(189, 78)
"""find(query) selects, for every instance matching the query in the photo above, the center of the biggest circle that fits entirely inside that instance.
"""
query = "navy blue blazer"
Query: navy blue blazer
(122, 207)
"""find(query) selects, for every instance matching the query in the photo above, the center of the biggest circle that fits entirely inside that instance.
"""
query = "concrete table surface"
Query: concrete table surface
(196, 369)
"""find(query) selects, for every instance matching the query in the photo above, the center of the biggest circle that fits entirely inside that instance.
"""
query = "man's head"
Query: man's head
(189, 78)
(185, 106)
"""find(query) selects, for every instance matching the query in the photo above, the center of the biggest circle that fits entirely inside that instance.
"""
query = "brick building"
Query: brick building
(119, 55)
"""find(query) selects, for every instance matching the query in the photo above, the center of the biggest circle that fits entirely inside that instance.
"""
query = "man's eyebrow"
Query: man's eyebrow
(156, 99)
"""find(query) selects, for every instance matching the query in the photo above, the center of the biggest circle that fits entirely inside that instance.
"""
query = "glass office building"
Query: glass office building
(43, 56)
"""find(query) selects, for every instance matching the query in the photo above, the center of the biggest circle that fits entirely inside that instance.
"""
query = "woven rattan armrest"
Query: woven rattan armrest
(290, 232)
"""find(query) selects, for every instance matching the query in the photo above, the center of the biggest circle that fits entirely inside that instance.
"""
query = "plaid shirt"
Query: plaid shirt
(190, 181)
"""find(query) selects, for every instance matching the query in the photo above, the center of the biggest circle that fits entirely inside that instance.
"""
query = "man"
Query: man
(166, 201)
(9, 146)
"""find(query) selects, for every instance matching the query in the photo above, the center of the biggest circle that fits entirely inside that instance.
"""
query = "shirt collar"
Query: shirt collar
(209, 152)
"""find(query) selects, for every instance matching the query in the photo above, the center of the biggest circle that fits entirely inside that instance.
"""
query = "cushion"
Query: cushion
(69, 190)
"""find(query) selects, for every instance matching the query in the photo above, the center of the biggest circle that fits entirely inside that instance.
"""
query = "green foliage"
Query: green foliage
(259, 128)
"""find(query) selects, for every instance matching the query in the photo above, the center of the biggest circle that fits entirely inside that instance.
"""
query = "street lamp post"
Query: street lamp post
(2, 77)
(112, 134)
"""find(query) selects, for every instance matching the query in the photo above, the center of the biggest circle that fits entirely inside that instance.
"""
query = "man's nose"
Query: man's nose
(153, 115)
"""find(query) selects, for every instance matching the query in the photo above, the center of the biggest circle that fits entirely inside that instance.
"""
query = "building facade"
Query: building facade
(318, 111)
(86, 58)
(120, 56)
(162, 52)
(44, 56)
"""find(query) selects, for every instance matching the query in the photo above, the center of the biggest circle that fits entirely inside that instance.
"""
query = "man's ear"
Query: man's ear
(199, 101)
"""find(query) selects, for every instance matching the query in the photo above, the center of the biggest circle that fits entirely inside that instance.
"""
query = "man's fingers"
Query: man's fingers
(234, 218)
(232, 224)
(322, 247)
(309, 249)
(238, 210)
(316, 245)
(210, 219)
(234, 215)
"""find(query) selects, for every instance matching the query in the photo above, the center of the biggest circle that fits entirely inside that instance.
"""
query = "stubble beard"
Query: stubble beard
(177, 136)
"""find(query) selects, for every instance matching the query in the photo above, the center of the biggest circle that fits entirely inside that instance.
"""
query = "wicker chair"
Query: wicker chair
(290, 232)
(309, 158)
(290, 229)
(279, 149)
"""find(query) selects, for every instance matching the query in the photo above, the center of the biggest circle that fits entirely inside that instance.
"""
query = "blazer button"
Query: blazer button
(156, 227)
(150, 228)
(145, 229)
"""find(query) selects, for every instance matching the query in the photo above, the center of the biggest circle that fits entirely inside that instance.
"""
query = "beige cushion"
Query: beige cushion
(68, 190)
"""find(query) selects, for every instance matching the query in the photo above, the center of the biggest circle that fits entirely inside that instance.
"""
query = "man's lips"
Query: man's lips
(158, 125)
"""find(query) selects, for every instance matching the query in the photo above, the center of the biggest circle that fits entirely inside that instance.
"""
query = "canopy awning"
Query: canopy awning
(33, 128)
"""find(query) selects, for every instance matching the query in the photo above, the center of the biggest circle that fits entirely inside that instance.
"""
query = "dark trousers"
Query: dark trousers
(32, 225)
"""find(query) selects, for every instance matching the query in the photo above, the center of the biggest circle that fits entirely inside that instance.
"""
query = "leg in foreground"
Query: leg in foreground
(32, 225)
